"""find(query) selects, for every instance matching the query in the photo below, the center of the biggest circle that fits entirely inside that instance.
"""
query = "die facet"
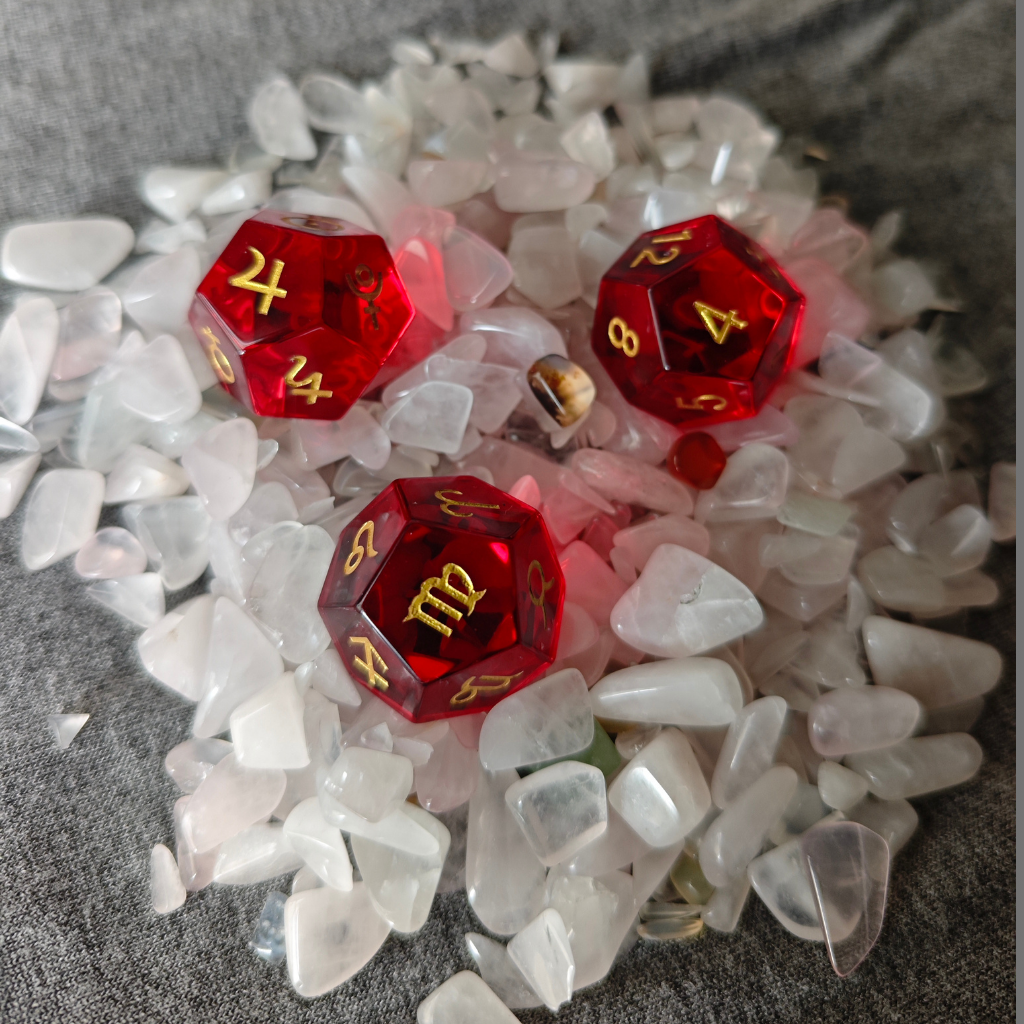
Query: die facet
(299, 313)
(444, 596)
(696, 322)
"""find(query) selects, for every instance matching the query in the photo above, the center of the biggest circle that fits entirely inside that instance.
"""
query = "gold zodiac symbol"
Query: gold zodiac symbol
(469, 693)
(545, 585)
(728, 320)
(443, 583)
(355, 556)
(449, 504)
(719, 403)
(218, 360)
(269, 291)
(367, 285)
(368, 660)
(308, 386)
(622, 337)
(315, 223)
(660, 260)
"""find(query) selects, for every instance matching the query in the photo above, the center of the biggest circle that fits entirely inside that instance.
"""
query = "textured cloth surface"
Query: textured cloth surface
(914, 100)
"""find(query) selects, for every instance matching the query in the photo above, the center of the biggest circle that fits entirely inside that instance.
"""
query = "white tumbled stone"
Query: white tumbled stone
(621, 478)
(370, 783)
(752, 486)
(157, 383)
(688, 692)
(159, 292)
(139, 598)
(505, 881)
(433, 415)
(839, 787)
(920, 765)
(255, 854)
(939, 669)
(683, 604)
(191, 761)
(28, 342)
(61, 515)
(65, 255)
(329, 936)
(239, 192)
(15, 476)
(175, 192)
(109, 553)
(661, 793)
(735, 836)
(166, 889)
(560, 809)
(957, 542)
(319, 844)
(463, 999)
(174, 534)
(542, 952)
(230, 799)
(749, 748)
(536, 185)
(278, 117)
(551, 718)
(241, 663)
(850, 720)
(402, 885)
(284, 589)
(221, 464)
(267, 729)
(174, 650)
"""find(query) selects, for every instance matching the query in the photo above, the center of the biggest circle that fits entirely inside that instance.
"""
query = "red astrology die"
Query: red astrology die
(299, 312)
(696, 322)
(444, 596)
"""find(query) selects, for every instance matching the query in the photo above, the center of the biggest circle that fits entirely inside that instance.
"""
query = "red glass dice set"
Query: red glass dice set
(445, 594)
(695, 322)
(298, 314)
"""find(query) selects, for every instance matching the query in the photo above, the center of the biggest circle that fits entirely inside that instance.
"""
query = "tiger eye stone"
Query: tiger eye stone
(563, 388)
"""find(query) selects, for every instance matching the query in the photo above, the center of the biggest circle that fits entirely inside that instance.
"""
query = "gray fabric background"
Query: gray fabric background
(914, 99)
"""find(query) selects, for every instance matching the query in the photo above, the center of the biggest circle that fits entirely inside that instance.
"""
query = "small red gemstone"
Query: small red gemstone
(697, 459)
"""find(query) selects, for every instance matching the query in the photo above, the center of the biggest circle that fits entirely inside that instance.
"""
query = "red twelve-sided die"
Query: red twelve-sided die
(696, 322)
(298, 314)
(444, 596)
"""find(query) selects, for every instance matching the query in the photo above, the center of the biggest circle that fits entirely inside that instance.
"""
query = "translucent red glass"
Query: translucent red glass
(298, 314)
(697, 459)
(444, 596)
(696, 322)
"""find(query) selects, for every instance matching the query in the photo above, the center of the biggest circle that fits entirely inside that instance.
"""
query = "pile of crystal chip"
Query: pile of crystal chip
(754, 678)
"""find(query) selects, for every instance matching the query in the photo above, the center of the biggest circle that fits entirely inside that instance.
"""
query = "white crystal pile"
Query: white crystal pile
(763, 653)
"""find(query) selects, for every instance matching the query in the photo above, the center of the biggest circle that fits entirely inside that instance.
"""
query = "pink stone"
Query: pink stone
(579, 631)
(476, 273)
(852, 719)
(640, 541)
(769, 426)
(831, 306)
(590, 582)
(419, 264)
(525, 489)
(449, 777)
(829, 236)
(848, 867)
